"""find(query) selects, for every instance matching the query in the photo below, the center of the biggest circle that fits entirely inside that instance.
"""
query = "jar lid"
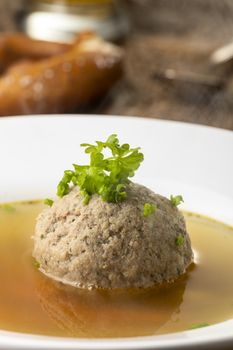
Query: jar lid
(57, 22)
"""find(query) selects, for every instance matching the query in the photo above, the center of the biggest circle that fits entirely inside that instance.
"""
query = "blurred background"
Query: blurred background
(178, 61)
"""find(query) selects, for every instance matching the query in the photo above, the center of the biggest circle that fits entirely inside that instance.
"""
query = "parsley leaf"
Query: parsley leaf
(36, 264)
(148, 209)
(105, 176)
(179, 240)
(199, 325)
(8, 207)
(176, 200)
(48, 202)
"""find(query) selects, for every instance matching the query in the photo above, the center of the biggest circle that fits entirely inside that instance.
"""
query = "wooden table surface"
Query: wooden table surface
(177, 34)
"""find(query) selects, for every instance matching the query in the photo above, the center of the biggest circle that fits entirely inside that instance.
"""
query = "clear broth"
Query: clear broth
(32, 303)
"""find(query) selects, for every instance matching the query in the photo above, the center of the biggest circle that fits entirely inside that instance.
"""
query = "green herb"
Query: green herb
(148, 209)
(199, 325)
(48, 202)
(179, 240)
(106, 177)
(176, 200)
(8, 207)
(36, 264)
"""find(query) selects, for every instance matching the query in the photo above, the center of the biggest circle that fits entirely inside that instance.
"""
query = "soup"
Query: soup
(32, 303)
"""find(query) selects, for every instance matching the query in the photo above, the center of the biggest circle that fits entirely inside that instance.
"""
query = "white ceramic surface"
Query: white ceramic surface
(179, 158)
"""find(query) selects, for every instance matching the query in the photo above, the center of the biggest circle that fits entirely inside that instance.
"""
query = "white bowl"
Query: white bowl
(182, 158)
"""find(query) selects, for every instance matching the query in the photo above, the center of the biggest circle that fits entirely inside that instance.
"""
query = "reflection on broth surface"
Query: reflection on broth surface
(32, 303)
(110, 313)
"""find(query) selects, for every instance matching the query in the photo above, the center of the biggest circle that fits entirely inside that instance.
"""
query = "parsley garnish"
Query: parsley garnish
(148, 209)
(176, 200)
(106, 177)
(199, 325)
(48, 202)
(179, 240)
(36, 264)
(8, 207)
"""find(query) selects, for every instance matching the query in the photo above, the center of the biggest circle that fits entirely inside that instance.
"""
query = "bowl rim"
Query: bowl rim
(32, 117)
(206, 336)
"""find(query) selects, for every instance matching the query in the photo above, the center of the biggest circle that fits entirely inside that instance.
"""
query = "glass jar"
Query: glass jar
(61, 20)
